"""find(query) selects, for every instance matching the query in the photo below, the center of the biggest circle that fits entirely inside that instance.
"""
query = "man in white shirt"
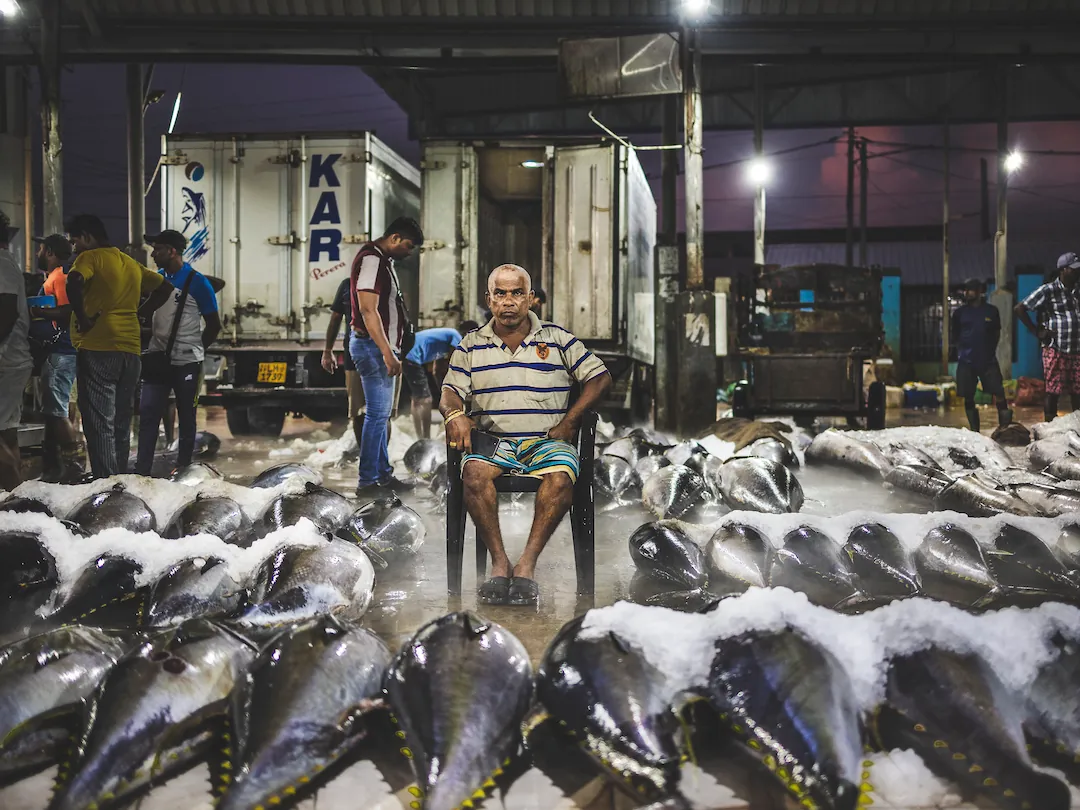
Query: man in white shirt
(15, 362)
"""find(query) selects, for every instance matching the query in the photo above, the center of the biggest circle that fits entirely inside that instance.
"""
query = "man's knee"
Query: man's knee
(476, 478)
(559, 485)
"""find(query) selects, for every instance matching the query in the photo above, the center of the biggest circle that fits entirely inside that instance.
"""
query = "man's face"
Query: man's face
(509, 299)
(971, 294)
(1069, 276)
(399, 248)
(43, 259)
(81, 242)
(162, 255)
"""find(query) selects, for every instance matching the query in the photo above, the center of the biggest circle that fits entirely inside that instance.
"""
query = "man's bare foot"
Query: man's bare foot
(501, 568)
(524, 571)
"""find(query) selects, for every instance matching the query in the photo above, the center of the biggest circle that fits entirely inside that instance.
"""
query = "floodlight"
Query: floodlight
(532, 164)
(695, 8)
(759, 171)
(1013, 161)
(8, 8)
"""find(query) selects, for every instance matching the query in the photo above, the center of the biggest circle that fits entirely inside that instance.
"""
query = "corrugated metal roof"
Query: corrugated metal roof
(784, 9)
(921, 262)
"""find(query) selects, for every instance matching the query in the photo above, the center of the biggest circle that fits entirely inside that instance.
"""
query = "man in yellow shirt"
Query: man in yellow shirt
(104, 287)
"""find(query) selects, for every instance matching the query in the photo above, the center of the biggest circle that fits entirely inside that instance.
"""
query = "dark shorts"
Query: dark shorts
(418, 379)
(968, 378)
(1062, 371)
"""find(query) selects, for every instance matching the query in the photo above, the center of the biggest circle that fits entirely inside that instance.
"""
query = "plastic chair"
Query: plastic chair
(582, 517)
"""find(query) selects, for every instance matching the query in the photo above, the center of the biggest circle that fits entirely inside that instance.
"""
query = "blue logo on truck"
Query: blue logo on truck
(325, 240)
(196, 224)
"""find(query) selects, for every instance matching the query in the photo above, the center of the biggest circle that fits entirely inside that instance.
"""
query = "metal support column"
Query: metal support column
(667, 274)
(669, 171)
(30, 256)
(52, 175)
(946, 321)
(759, 153)
(850, 241)
(1002, 298)
(136, 163)
(864, 204)
(694, 171)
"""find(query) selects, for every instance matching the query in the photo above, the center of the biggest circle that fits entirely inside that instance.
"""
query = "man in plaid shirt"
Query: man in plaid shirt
(1058, 331)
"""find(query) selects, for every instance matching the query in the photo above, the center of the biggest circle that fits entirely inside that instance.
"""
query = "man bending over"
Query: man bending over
(517, 372)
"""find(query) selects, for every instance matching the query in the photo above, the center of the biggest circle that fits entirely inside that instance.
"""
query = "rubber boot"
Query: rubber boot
(1005, 417)
(973, 418)
(72, 470)
(51, 465)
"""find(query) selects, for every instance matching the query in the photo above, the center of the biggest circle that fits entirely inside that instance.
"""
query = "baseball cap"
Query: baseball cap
(1068, 260)
(173, 239)
(57, 244)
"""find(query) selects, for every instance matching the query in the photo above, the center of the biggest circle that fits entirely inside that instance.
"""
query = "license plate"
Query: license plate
(272, 372)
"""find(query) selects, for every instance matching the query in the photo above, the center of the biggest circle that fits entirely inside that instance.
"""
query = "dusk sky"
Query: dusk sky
(808, 191)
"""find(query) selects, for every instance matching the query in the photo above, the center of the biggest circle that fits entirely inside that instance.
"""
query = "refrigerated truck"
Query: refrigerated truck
(579, 215)
(280, 217)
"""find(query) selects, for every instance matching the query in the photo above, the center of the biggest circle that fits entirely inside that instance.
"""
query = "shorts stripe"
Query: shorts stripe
(533, 457)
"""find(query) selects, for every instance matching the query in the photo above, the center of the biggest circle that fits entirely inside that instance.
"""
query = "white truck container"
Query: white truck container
(280, 218)
(580, 217)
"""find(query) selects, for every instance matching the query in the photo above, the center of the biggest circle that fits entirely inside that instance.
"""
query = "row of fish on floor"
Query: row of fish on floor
(687, 481)
(774, 707)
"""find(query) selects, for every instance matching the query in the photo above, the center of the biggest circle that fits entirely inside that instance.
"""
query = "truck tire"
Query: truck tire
(875, 406)
(266, 421)
(237, 419)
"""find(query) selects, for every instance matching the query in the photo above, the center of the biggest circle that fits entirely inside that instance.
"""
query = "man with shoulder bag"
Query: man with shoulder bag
(174, 357)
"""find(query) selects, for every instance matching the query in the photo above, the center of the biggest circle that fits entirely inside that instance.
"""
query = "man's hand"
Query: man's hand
(1044, 336)
(564, 432)
(393, 365)
(328, 362)
(459, 432)
(87, 323)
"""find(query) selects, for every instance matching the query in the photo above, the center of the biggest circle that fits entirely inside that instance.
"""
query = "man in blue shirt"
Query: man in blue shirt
(181, 371)
(421, 365)
(976, 329)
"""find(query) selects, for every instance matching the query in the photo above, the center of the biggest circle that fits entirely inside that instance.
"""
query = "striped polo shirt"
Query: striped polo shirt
(520, 394)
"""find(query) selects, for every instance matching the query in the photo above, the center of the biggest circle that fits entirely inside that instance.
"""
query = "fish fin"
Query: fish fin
(382, 749)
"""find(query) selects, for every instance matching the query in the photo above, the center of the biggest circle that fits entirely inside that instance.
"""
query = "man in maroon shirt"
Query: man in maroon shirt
(380, 322)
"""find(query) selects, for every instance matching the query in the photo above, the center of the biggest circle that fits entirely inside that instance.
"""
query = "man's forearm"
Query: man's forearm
(75, 295)
(375, 328)
(155, 300)
(591, 393)
(1024, 316)
(332, 332)
(210, 333)
(450, 401)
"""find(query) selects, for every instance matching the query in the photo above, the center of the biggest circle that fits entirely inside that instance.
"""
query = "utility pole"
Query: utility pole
(850, 244)
(694, 169)
(759, 154)
(984, 201)
(136, 95)
(864, 181)
(52, 174)
(1002, 298)
(946, 321)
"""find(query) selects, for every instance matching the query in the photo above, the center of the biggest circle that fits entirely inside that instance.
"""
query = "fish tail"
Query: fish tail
(220, 760)
(1047, 753)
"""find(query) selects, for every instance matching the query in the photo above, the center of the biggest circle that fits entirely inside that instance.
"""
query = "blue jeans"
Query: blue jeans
(379, 397)
(57, 380)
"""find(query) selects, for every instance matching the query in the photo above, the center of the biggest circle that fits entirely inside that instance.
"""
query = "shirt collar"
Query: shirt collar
(488, 329)
(185, 268)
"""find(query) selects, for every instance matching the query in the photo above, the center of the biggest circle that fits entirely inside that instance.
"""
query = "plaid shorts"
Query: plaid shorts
(535, 457)
(1062, 372)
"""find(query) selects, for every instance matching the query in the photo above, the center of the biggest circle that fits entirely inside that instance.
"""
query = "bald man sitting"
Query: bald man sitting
(517, 372)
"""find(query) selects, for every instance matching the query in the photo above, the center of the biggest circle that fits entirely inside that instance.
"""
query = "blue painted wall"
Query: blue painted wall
(890, 312)
(1028, 361)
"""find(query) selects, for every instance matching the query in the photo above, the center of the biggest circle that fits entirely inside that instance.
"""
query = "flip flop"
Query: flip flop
(495, 591)
(524, 592)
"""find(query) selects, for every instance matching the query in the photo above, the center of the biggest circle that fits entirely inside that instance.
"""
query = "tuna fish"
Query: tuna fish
(196, 473)
(953, 568)
(302, 582)
(105, 593)
(387, 530)
(675, 492)
(28, 575)
(666, 553)
(812, 564)
(615, 704)
(926, 482)
(789, 702)
(1052, 722)
(221, 517)
(690, 454)
(114, 508)
(971, 495)
(760, 485)
(632, 449)
(152, 717)
(1048, 500)
(906, 454)
(17, 503)
(194, 588)
(953, 712)
(650, 464)
(1067, 548)
(964, 459)
(1066, 466)
(775, 450)
(839, 449)
(424, 457)
(302, 710)
(275, 476)
(328, 510)
(616, 480)
(884, 567)
(737, 557)
(1021, 563)
(43, 682)
(207, 445)
(460, 673)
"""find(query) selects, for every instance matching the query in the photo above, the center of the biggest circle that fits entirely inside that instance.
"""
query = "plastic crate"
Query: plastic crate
(920, 398)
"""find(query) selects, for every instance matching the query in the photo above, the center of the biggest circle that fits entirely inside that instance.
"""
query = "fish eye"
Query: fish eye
(174, 665)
